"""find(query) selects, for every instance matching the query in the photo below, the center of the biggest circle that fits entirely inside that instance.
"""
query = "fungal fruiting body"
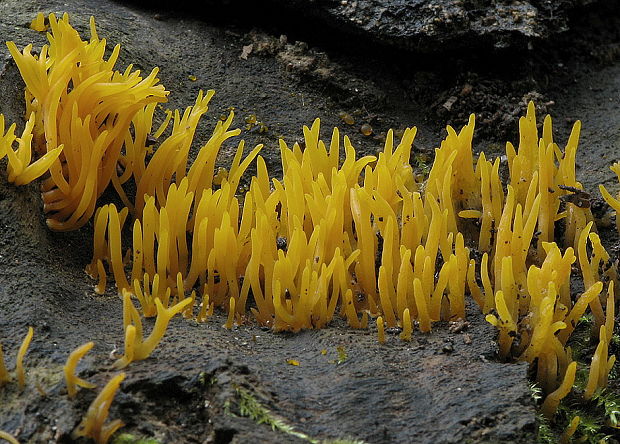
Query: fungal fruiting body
(20, 168)
(79, 118)
(38, 23)
(8, 437)
(137, 348)
(337, 235)
(93, 424)
(20, 372)
(71, 380)
(4, 373)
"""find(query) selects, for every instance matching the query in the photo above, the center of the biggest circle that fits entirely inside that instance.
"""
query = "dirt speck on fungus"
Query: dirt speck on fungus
(208, 384)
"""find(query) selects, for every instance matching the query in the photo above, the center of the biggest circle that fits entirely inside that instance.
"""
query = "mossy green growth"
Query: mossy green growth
(545, 434)
(250, 407)
(342, 355)
(421, 164)
(128, 438)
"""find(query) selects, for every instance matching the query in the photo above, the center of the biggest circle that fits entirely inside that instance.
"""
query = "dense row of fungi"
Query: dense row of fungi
(362, 238)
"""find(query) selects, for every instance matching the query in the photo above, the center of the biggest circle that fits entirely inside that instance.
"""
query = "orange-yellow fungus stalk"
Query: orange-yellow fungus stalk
(386, 296)
(38, 23)
(380, 330)
(137, 348)
(600, 366)
(452, 176)
(350, 310)
(505, 323)
(550, 405)
(566, 436)
(472, 285)
(405, 335)
(164, 315)
(611, 201)
(93, 424)
(103, 278)
(504, 236)
(130, 348)
(578, 310)
(610, 310)
(19, 361)
(489, 298)
(366, 243)
(589, 276)
(20, 168)
(8, 437)
(492, 200)
(4, 373)
(230, 321)
(543, 325)
(422, 306)
(71, 380)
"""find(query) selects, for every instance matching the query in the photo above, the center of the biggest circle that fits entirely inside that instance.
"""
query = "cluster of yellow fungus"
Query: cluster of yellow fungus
(92, 425)
(361, 238)
(80, 112)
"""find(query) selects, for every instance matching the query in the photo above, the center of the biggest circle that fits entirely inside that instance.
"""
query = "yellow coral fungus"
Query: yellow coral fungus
(231, 314)
(601, 364)
(71, 380)
(93, 424)
(380, 330)
(570, 430)
(332, 236)
(452, 176)
(79, 102)
(589, 272)
(137, 348)
(8, 437)
(405, 335)
(578, 310)
(611, 201)
(38, 23)
(505, 323)
(20, 168)
(19, 361)
(552, 400)
(4, 373)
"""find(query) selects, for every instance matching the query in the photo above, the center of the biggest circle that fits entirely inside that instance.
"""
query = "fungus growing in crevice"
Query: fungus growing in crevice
(93, 424)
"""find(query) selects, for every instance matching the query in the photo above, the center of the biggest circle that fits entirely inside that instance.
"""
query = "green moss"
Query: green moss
(343, 441)
(128, 438)
(248, 406)
(420, 163)
(545, 434)
(342, 355)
